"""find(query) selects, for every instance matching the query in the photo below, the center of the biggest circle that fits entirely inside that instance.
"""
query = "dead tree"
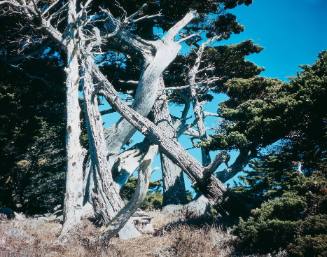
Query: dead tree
(80, 39)
(157, 56)
(202, 176)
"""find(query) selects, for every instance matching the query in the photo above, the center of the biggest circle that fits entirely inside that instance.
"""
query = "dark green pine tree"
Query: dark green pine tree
(288, 183)
(32, 123)
(32, 139)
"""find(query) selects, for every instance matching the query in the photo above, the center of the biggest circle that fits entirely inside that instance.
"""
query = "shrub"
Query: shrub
(309, 246)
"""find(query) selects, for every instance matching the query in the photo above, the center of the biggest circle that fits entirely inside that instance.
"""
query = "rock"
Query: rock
(129, 231)
(195, 209)
(138, 224)
(19, 216)
(142, 222)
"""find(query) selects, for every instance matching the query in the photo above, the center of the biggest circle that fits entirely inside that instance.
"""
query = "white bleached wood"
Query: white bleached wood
(197, 105)
(128, 161)
(172, 175)
(108, 199)
(138, 197)
(157, 55)
(75, 153)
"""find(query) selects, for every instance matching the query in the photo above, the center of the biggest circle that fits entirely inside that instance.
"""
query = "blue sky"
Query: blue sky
(292, 32)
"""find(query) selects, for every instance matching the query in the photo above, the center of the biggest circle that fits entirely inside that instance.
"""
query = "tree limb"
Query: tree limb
(211, 187)
(126, 213)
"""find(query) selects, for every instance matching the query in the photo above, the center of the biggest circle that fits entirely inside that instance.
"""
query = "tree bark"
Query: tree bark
(157, 56)
(172, 175)
(75, 154)
(106, 196)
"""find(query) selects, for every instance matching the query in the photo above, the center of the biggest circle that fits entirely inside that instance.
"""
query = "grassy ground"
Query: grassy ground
(38, 237)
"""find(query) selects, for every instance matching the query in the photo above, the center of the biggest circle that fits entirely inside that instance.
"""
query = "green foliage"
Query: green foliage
(261, 111)
(229, 62)
(153, 199)
(309, 246)
(287, 185)
(288, 222)
(266, 235)
(32, 136)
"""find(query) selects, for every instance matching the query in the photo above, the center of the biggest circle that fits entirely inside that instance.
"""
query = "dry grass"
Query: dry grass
(33, 238)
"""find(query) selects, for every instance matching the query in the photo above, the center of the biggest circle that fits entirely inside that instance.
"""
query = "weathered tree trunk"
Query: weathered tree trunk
(157, 56)
(106, 198)
(174, 191)
(198, 113)
(172, 175)
(75, 153)
(128, 161)
(208, 184)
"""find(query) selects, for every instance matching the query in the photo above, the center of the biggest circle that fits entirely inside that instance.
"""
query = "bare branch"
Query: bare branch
(172, 32)
(32, 11)
(126, 212)
(192, 132)
(187, 37)
(220, 158)
(132, 18)
(135, 14)
(208, 114)
(113, 21)
(241, 161)
(177, 88)
(148, 17)
(130, 82)
(121, 8)
(209, 80)
(86, 5)
(197, 105)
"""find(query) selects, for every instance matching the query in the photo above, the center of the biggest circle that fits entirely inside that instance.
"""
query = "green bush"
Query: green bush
(309, 246)
(294, 221)
(269, 227)
(153, 199)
